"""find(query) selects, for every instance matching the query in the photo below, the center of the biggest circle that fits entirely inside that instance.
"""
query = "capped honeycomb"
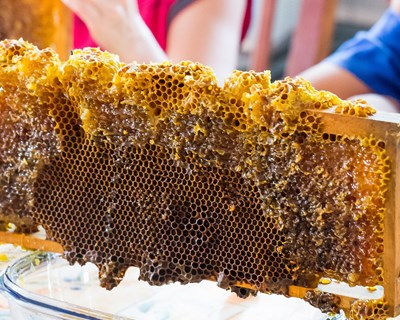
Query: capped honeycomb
(158, 167)
(27, 137)
(45, 23)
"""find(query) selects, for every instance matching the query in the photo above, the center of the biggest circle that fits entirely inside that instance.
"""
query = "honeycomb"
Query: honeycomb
(27, 138)
(158, 167)
(45, 23)
(369, 310)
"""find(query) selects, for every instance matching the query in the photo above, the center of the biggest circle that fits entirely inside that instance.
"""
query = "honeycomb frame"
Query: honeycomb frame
(145, 147)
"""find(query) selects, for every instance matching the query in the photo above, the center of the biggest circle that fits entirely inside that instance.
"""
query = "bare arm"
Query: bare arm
(206, 31)
(327, 76)
(116, 25)
(330, 77)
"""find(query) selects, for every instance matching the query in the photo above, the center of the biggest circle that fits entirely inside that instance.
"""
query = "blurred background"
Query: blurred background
(350, 16)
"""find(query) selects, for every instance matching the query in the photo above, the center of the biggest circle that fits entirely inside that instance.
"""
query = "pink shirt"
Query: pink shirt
(157, 14)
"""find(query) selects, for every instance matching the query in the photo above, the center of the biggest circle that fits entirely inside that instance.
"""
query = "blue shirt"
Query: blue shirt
(374, 56)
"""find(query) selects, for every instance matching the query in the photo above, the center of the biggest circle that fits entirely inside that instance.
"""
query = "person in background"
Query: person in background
(366, 66)
(205, 31)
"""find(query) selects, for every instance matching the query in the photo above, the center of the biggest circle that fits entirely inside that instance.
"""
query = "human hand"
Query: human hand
(116, 25)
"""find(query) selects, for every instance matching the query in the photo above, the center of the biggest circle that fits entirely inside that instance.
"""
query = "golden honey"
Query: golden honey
(158, 167)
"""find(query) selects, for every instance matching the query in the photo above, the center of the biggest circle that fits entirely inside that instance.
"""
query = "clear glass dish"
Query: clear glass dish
(44, 286)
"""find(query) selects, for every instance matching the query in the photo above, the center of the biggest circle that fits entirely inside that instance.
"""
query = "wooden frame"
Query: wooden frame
(386, 127)
(382, 126)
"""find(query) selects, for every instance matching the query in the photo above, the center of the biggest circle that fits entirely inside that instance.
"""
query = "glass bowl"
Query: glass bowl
(44, 286)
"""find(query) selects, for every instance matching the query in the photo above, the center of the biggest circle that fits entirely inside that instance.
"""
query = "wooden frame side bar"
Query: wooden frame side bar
(386, 127)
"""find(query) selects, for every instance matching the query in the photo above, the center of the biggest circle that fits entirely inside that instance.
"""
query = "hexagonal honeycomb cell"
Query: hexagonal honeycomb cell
(369, 310)
(158, 167)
